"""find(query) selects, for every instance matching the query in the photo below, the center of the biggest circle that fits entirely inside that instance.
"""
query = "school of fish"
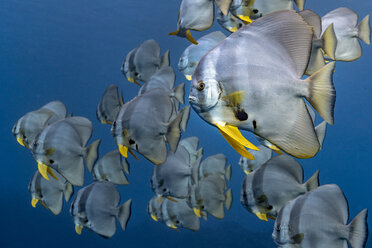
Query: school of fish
(269, 75)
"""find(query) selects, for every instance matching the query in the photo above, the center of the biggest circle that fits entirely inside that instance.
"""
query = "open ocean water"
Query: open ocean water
(72, 50)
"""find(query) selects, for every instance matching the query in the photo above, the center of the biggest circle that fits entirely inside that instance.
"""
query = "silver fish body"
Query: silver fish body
(260, 157)
(109, 105)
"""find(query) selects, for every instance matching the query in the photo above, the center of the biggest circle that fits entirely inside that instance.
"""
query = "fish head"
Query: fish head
(183, 62)
(19, 133)
(204, 94)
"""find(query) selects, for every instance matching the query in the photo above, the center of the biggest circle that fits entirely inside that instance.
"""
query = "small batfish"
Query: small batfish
(319, 219)
(214, 165)
(29, 125)
(154, 209)
(260, 157)
(209, 196)
(192, 54)
(142, 62)
(229, 22)
(179, 214)
(61, 146)
(50, 193)
(191, 145)
(347, 32)
(243, 10)
(266, 190)
(133, 130)
(110, 168)
(231, 91)
(109, 105)
(96, 207)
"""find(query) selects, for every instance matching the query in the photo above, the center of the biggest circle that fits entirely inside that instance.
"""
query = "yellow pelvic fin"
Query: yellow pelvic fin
(275, 148)
(34, 202)
(237, 146)
(234, 99)
(173, 227)
(235, 134)
(78, 229)
(108, 122)
(160, 199)
(50, 171)
(21, 142)
(247, 172)
(197, 212)
(154, 217)
(245, 19)
(233, 30)
(123, 150)
(132, 80)
(188, 77)
(171, 199)
(43, 204)
(261, 216)
(190, 38)
(132, 153)
(174, 32)
(43, 169)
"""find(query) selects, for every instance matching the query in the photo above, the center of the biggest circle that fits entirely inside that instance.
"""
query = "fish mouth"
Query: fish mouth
(193, 99)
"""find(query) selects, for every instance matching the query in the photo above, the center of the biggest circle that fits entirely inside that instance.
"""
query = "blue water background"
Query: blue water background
(72, 50)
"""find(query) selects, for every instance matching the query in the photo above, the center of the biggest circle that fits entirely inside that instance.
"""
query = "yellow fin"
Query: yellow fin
(34, 202)
(234, 99)
(233, 30)
(244, 18)
(78, 229)
(274, 147)
(237, 146)
(50, 171)
(171, 199)
(235, 134)
(123, 150)
(50, 151)
(173, 227)
(190, 38)
(43, 169)
(132, 153)
(261, 216)
(247, 172)
(154, 217)
(21, 142)
(43, 204)
(197, 212)
(188, 77)
(132, 80)
(174, 32)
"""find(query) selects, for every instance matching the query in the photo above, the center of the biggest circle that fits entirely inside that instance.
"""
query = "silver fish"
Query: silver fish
(243, 10)
(229, 22)
(213, 165)
(133, 130)
(61, 146)
(50, 193)
(264, 7)
(29, 125)
(96, 207)
(109, 105)
(154, 209)
(347, 33)
(260, 157)
(231, 91)
(142, 62)
(319, 219)
(179, 214)
(209, 196)
(110, 168)
(192, 54)
(266, 190)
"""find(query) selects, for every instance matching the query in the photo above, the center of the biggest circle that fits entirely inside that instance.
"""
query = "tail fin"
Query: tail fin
(228, 199)
(69, 190)
(124, 213)
(174, 132)
(359, 230)
(322, 94)
(364, 30)
(300, 4)
(165, 60)
(313, 182)
(321, 132)
(330, 41)
(91, 154)
(185, 117)
(228, 172)
(179, 93)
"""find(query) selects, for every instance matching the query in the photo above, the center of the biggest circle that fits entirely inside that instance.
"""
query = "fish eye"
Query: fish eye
(136, 74)
(177, 222)
(278, 228)
(202, 207)
(201, 86)
(255, 11)
(51, 161)
(131, 142)
(240, 25)
(270, 207)
(164, 189)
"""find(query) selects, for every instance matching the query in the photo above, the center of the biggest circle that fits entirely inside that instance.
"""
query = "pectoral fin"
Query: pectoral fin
(132, 153)
(171, 199)
(123, 150)
(234, 99)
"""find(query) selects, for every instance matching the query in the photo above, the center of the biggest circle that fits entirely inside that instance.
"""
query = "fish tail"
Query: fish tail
(364, 30)
(165, 59)
(300, 4)
(124, 213)
(321, 132)
(228, 172)
(91, 154)
(330, 41)
(313, 182)
(322, 93)
(179, 93)
(358, 230)
(174, 132)
(68, 191)
(228, 199)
